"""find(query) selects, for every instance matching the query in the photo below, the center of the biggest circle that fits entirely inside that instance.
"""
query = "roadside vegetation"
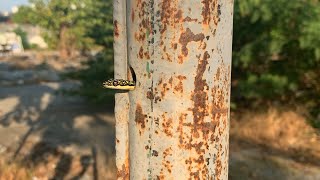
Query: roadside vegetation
(275, 99)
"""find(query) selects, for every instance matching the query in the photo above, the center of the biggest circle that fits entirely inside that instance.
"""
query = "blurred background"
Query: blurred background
(56, 122)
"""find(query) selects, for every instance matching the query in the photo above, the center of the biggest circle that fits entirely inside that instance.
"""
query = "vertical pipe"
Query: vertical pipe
(121, 99)
(179, 111)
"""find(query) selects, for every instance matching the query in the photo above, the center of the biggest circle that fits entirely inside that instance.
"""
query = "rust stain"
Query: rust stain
(161, 177)
(150, 95)
(165, 162)
(167, 56)
(179, 87)
(218, 73)
(211, 11)
(200, 96)
(171, 18)
(170, 81)
(147, 55)
(167, 126)
(143, 21)
(140, 37)
(141, 53)
(189, 19)
(203, 46)
(144, 33)
(156, 99)
(157, 121)
(182, 119)
(220, 100)
(180, 59)
(141, 6)
(220, 93)
(123, 173)
(202, 131)
(168, 165)
(175, 46)
(218, 168)
(140, 118)
(167, 152)
(178, 15)
(169, 14)
(206, 11)
(116, 28)
(187, 37)
(180, 77)
(205, 127)
(155, 153)
(163, 88)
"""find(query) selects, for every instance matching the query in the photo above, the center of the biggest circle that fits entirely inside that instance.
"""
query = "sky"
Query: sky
(6, 5)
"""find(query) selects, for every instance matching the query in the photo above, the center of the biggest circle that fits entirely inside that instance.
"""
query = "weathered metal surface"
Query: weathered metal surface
(179, 111)
(121, 99)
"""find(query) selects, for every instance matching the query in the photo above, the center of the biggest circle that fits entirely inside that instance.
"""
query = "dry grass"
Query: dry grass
(14, 171)
(285, 131)
(57, 166)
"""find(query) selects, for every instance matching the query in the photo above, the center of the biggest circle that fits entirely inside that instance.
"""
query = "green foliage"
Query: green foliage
(92, 77)
(70, 25)
(277, 52)
(25, 15)
(100, 27)
(100, 67)
(23, 36)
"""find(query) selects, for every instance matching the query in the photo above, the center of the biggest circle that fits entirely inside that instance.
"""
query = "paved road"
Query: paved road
(36, 121)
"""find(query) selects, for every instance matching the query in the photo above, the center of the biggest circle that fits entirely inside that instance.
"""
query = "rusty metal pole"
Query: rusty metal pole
(121, 99)
(179, 112)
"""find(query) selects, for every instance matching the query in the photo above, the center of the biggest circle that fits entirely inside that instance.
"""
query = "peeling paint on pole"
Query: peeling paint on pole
(179, 111)
(121, 99)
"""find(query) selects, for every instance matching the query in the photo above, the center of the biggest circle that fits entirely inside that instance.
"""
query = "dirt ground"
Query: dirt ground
(45, 134)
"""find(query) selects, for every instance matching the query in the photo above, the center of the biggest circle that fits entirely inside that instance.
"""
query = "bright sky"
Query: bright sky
(6, 5)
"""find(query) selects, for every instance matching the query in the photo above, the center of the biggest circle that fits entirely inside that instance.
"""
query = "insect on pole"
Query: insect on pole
(178, 112)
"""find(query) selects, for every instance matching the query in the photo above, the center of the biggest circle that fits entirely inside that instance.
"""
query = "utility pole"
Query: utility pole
(178, 114)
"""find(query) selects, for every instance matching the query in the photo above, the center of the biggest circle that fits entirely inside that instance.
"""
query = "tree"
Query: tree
(277, 52)
(67, 22)
(23, 36)
(84, 27)
(99, 28)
